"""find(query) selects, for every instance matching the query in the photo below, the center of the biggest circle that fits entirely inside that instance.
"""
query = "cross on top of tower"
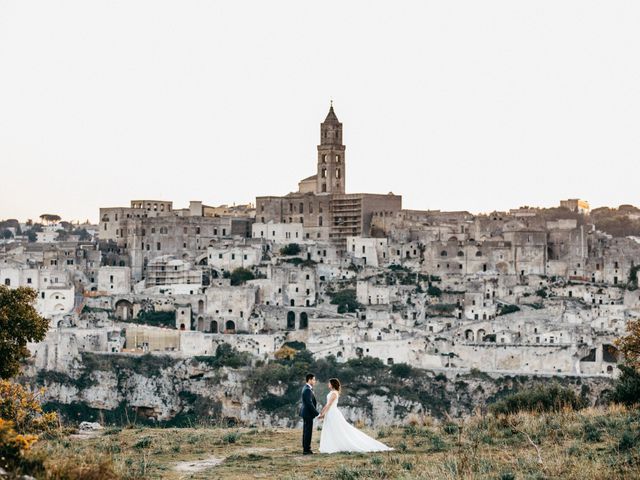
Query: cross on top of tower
(331, 116)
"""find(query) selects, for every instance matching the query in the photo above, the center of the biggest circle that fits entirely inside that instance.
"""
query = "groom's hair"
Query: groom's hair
(310, 376)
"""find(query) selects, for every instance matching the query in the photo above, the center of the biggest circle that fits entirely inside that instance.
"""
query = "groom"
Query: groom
(308, 412)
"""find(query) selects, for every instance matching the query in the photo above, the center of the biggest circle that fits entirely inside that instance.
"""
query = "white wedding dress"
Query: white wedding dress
(338, 435)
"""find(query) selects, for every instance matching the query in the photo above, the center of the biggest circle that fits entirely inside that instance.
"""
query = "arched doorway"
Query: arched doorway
(213, 328)
(304, 320)
(468, 335)
(291, 321)
(124, 310)
(480, 335)
(230, 327)
(200, 306)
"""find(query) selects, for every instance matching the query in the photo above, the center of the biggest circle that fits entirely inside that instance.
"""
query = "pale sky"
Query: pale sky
(474, 105)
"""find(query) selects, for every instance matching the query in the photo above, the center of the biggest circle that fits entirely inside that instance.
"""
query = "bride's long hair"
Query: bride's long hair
(335, 383)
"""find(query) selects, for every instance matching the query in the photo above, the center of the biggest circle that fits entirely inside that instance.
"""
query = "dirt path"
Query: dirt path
(196, 466)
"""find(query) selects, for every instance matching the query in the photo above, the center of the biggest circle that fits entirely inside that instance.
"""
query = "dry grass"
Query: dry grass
(587, 445)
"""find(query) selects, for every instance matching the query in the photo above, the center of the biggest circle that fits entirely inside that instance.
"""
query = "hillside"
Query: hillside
(587, 445)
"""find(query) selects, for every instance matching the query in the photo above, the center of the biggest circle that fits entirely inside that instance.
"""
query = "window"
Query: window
(324, 157)
(7, 281)
(29, 280)
(158, 246)
(301, 208)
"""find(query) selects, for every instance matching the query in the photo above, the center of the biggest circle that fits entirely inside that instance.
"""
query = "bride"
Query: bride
(337, 434)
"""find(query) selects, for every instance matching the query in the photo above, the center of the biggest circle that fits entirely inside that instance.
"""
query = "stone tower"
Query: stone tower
(331, 166)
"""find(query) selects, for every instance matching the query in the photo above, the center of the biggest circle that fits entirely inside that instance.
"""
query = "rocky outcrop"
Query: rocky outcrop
(119, 388)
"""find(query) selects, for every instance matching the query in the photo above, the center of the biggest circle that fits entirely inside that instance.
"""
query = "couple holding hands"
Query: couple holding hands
(337, 435)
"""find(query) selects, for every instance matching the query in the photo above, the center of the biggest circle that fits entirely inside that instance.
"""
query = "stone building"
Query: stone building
(321, 204)
(148, 229)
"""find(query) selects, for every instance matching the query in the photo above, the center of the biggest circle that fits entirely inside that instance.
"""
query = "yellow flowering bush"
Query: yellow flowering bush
(13, 446)
(21, 420)
(23, 409)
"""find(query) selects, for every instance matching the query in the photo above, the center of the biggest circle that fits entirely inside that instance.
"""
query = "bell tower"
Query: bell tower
(331, 165)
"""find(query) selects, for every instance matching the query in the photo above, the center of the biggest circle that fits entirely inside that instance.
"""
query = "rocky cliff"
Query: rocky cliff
(232, 388)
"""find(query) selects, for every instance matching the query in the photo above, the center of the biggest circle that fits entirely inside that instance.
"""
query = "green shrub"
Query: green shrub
(542, 292)
(241, 275)
(226, 356)
(407, 465)
(295, 344)
(626, 388)
(434, 291)
(628, 440)
(144, 442)
(539, 399)
(290, 250)
(156, 319)
(437, 444)
(591, 433)
(346, 473)
(507, 309)
(231, 437)
(450, 428)
(401, 370)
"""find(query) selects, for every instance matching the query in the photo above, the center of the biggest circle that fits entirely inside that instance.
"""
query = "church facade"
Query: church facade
(321, 204)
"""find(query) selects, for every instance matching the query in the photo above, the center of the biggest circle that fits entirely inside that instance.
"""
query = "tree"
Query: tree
(6, 234)
(629, 345)
(32, 236)
(290, 249)
(68, 226)
(19, 323)
(346, 300)
(50, 218)
(82, 234)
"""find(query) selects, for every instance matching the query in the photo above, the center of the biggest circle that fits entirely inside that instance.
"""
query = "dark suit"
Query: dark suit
(308, 412)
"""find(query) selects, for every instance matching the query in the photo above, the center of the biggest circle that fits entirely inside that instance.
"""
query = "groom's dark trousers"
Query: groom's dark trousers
(308, 412)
